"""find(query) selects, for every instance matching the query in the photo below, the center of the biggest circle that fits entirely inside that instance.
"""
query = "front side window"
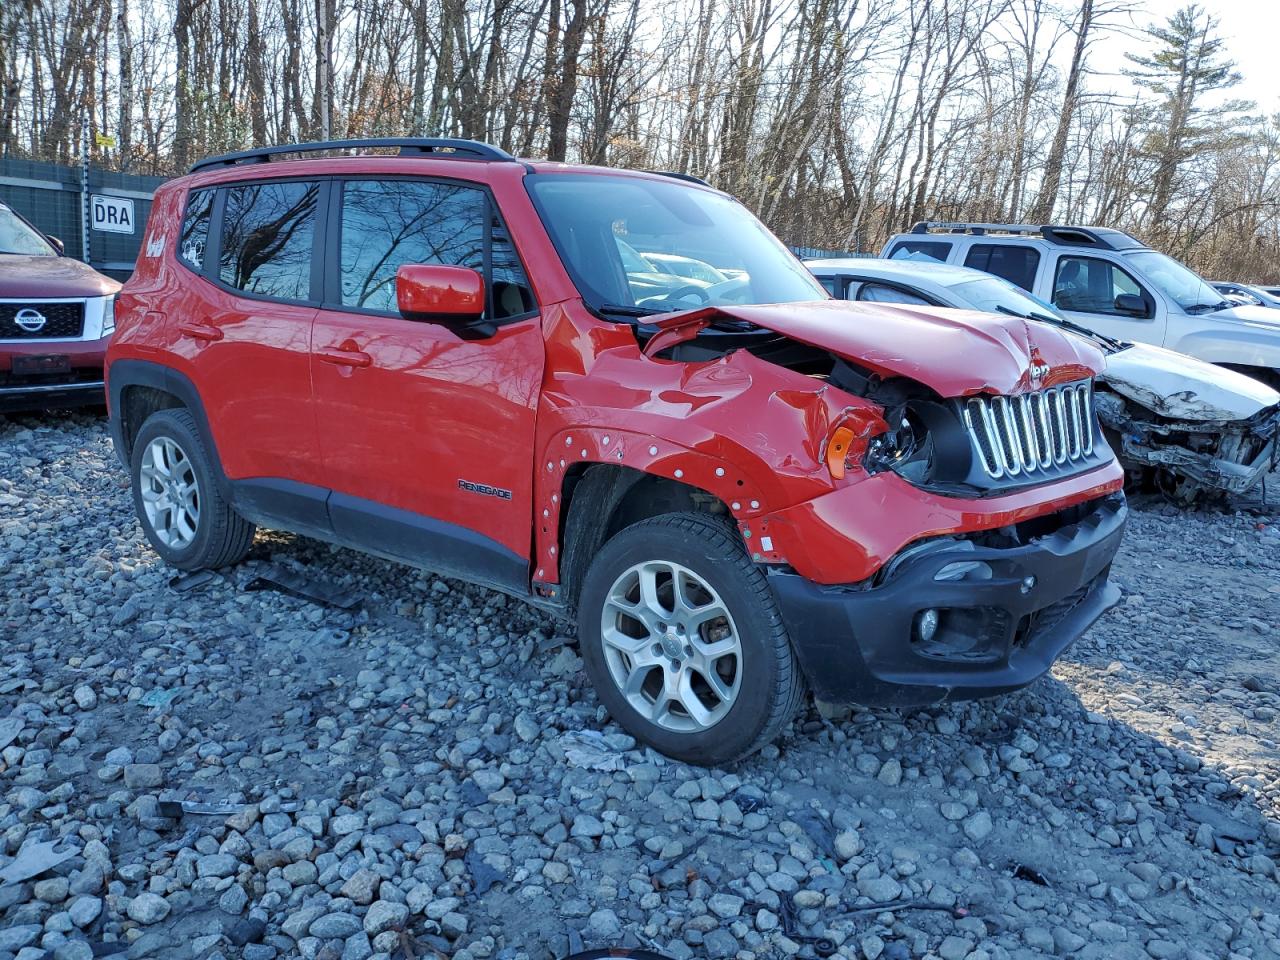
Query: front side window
(1087, 285)
(195, 229)
(268, 233)
(883, 293)
(387, 223)
(605, 227)
(1016, 264)
(19, 237)
(931, 250)
(831, 285)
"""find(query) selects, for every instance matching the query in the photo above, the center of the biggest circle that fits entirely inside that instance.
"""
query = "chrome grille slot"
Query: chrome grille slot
(1031, 434)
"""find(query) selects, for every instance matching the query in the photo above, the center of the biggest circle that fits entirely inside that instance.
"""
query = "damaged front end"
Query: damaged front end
(1194, 428)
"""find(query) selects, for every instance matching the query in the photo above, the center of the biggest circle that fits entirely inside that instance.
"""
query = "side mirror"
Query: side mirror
(1132, 304)
(57, 244)
(438, 294)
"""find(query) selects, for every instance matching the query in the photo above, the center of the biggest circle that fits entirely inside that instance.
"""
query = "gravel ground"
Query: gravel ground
(427, 776)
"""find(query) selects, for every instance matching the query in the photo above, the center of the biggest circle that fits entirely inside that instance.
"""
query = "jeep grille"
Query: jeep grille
(1032, 434)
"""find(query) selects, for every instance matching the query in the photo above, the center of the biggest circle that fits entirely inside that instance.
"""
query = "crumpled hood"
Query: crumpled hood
(955, 352)
(1183, 388)
(42, 277)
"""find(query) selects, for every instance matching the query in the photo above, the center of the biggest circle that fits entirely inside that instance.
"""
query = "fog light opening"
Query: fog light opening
(927, 625)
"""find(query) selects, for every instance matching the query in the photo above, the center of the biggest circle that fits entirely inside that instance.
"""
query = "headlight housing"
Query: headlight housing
(108, 314)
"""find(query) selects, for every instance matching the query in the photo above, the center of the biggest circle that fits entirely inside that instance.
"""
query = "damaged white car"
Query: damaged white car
(1190, 427)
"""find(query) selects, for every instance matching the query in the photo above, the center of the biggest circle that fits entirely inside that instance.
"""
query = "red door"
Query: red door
(426, 432)
(246, 332)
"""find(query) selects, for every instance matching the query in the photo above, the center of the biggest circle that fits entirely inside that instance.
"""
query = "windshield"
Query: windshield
(605, 228)
(991, 293)
(16, 236)
(1176, 282)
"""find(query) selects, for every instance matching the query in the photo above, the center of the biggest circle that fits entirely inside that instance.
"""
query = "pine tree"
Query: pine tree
(1184, 120)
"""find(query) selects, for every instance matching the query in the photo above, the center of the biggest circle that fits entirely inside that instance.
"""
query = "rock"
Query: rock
(53, 890)
(954, 948)
(604, 925)
(978, 826)
(880, 889)
(384, 915)
(247, 930)
(84, 697)
(217, 865)
(13, 939)
(890, 773)
(335, 926)
(361, 887)
(720, 944)
(148, 908)
(233, 900)
(725, 905)
(85, 910)
(143, 776)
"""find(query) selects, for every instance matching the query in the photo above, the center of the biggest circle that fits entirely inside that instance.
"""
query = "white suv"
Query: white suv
(1110, 282)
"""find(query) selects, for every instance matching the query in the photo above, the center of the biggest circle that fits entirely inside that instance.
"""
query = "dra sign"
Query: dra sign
(111, 214)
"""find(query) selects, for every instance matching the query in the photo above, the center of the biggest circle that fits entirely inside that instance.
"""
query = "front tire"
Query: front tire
(683, 642)
(176, 496)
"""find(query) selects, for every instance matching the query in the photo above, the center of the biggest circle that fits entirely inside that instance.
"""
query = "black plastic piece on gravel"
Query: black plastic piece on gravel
(277, 578)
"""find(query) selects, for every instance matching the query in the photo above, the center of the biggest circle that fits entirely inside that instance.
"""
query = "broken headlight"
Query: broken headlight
(926, 445)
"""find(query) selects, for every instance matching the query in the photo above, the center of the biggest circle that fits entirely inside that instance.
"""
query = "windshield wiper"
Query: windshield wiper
(630, 310)
(1064, 323)
(1198, 308)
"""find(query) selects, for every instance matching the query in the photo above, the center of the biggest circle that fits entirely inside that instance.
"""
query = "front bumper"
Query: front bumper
(998, 631)
(80, 384)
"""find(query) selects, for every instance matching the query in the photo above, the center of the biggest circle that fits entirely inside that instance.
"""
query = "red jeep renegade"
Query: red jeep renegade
(739, 487)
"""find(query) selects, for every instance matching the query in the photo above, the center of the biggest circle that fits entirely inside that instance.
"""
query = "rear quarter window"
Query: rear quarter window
(1018, 265)
(937, 250)
(194, 239)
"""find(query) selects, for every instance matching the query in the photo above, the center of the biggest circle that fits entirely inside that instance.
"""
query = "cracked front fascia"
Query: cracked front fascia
(1179, 387)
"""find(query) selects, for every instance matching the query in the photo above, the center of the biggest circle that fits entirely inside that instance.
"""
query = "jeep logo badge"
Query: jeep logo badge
(30, 320)
(1039, 371)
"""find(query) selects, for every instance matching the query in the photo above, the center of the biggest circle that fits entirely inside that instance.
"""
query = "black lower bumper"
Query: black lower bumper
(1004, 614)
(15, 395)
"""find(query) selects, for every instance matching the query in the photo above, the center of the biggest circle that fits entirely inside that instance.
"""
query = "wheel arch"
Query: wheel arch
(137, 389)
(622, 496)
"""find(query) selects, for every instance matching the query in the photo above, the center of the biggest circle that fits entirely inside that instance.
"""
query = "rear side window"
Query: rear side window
(920, 250)
(883, 293)
(268, 234)
(831, 285)
(194, 239)
(386, 223)
(1088, 285)
(1018, 265)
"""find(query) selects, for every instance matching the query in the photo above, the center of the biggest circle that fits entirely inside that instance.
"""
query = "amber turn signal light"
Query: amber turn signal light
(838, 450)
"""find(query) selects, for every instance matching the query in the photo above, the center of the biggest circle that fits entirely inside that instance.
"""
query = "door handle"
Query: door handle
(345, 358)
(200, 331)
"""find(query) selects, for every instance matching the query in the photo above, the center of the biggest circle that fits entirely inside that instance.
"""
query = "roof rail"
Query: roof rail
(977, 229)
(1067, 236)
(439, 147)
(679, 176)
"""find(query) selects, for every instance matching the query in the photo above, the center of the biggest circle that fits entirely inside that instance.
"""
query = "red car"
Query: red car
(56, 316)
(738, 489)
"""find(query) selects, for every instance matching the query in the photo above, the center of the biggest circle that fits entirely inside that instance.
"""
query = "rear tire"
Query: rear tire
(683, 641)
(176, 496)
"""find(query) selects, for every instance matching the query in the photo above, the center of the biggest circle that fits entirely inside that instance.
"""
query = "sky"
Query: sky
(1251, 29)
